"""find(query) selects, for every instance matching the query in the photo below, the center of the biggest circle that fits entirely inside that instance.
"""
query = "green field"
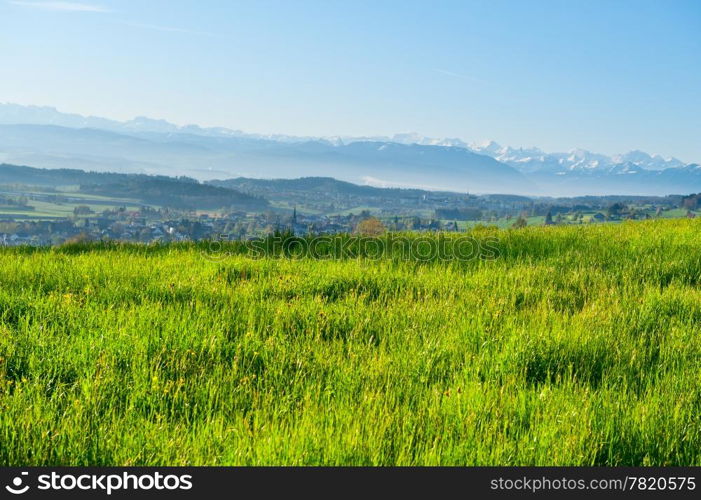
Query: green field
(39, 209)
(577, 345)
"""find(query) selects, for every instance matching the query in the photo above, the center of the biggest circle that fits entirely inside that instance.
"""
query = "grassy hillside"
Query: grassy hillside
(319, 185)
(180, 192)
(577, 345)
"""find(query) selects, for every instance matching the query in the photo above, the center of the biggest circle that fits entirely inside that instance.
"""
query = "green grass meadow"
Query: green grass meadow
(578, 345)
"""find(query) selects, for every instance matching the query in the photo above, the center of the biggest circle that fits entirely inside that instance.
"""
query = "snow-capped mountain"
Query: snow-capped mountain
(530, 160)
(655, 162)
(16, 114)
(45, 137)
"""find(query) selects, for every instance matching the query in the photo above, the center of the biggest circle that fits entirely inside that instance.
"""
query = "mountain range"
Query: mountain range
(45, 137)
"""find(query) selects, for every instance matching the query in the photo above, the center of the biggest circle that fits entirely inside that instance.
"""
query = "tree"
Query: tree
(548, 218)
(79, 238)
(434, 225)
(370, 226)
(616, 209)
(520, 222)
(82, 210)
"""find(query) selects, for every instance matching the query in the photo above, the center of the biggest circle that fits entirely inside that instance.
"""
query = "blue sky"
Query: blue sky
(609, 76)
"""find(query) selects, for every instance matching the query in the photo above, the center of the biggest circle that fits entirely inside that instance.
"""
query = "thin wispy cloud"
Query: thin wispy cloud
(62, 6)
(457, 75)
(170, 29)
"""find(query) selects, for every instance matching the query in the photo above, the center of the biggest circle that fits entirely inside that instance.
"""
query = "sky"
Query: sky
(608, 76)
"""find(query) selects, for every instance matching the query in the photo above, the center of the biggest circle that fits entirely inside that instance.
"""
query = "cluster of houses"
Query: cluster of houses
(153, 226)
(149, 225)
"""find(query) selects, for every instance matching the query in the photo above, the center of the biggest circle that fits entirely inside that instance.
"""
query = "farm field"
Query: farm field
(575, 345)
(41, 206)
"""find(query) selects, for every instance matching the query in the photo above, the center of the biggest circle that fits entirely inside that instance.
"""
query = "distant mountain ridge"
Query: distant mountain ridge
(533, 159)
(205, 158)
(45, 137)
(16, 114)
(321, 185)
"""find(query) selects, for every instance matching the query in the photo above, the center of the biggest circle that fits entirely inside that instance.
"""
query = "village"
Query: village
(149, 225)
(161, 226)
